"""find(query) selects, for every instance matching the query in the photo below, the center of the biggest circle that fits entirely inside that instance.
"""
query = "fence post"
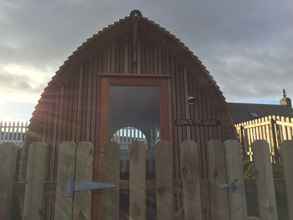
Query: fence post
(112, 174)
(35, 179)
(8, 155)
(191, 178)
(235, 185)
(164, 180)
(65, 171)
(217, 180)
(287, 155)
(265, 181)
(84, 172)
(137, 181)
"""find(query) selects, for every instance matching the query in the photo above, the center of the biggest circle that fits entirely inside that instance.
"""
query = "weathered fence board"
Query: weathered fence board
(164, 180)
(287, 155)
(137, 181)
(190, 171)
(35, 180)
(265, 181)
(64, 202)
(75, 162)
(8, 155)
(84, 172)
(235, 180)
(217, 180)
(112, 174)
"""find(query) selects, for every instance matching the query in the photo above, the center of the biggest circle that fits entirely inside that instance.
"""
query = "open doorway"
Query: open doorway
(135, 110)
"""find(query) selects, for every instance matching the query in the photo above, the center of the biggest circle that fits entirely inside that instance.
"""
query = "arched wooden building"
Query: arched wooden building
(132, 73)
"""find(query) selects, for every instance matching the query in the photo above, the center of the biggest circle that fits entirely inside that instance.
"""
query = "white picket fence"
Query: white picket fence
(13, 132)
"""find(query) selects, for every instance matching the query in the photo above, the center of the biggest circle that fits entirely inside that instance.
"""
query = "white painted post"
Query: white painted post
(35, 179)
(265, 181)
(287, 155)
(218, 179)
(190, 172)
(234, 164)
(8, 156)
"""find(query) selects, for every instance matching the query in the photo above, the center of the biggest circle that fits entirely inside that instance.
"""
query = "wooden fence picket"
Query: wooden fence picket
(84, 172)
(137, 181)
(8, 155)
(164, 180)
(217, 180)
(65, 173)
(112, 174)
(191, 178)
(265, 181)
(35, 178)
(287, 155)
(237, 199)
(224, 166)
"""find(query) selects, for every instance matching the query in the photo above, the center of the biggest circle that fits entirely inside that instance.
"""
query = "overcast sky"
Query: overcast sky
(246, 45)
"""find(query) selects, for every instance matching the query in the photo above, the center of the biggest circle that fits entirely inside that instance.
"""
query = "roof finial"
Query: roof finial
(135, 13)
(285, 101)
(284, 93)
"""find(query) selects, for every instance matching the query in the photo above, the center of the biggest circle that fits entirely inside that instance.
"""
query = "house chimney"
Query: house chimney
(285, 101)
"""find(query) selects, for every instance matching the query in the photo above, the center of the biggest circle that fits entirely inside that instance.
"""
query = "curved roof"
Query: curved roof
(135, 14)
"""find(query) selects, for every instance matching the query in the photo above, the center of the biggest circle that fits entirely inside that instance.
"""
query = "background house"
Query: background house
(241, 112)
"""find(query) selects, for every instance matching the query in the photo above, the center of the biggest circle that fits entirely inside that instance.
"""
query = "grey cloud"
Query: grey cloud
(18, 83)
(258, 33)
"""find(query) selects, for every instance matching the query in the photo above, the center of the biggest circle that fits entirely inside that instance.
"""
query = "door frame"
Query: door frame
(165, 116)
(165, 120)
